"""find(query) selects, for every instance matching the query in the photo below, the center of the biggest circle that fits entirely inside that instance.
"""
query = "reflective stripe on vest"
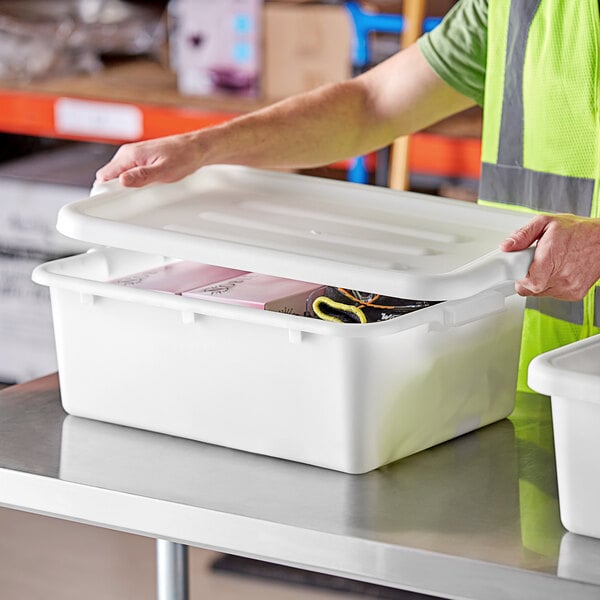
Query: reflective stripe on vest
(510, 150)
(536, 190)
(509, 182)
(597, 307)
(572, 312)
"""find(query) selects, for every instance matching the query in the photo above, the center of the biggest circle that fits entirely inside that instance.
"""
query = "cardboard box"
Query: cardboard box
(260, 291)
(215, 46)
(305, 46)
(178, 277)
(27, 348)
(35, 187)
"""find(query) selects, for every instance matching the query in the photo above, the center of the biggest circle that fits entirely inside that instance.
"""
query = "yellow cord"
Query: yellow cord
(344, 308)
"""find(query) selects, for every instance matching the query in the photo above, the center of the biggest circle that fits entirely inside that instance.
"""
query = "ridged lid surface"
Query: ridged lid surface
(319, 230)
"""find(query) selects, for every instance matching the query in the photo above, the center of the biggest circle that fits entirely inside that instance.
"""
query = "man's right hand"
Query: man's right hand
(163, 159)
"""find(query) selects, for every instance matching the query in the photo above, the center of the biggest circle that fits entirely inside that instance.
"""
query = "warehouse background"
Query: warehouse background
(80, 77)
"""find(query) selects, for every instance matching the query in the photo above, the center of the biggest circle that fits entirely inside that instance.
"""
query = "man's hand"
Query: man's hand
(164, 159)
(566, 263)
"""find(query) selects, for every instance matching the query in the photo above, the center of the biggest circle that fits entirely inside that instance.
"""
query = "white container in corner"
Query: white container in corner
(348, 397)
(571, 376)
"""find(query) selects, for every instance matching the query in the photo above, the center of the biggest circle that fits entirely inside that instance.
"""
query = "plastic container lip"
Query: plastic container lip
(360, 237)
(55, 274)
(85, 274)
(571, 371)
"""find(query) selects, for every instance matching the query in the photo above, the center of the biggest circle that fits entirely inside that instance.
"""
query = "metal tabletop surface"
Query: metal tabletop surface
(476, 517)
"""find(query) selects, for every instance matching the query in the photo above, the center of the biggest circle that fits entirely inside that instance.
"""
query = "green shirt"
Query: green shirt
(456, 49)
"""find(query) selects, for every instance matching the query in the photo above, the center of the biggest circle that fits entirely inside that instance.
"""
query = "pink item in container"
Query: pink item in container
(259, 291)
(178, 277)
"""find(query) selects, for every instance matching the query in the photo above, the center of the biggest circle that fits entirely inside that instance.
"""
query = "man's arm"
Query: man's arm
(400, 96)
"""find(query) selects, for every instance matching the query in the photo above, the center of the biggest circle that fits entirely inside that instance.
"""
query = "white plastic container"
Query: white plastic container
(344, 396)
(571, 376)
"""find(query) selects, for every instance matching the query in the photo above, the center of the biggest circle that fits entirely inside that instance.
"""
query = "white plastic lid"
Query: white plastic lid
(312, 229)
(572, 371)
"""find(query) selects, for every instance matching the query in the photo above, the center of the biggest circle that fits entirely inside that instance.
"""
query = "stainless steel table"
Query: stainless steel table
(473, 518)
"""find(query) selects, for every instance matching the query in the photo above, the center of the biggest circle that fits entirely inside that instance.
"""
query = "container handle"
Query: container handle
(456, 314)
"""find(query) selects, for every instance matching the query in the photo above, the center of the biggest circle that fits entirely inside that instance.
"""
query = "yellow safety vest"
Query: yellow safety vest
(541, 137)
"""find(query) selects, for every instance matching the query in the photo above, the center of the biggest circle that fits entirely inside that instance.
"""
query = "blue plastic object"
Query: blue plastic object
(365, 22)
(430, 23)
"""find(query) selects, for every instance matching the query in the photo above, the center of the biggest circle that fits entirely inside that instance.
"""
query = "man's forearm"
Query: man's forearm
(308, 130)
(338, 121)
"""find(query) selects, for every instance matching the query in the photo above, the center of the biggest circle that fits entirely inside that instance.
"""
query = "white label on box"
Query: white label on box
(100, 119)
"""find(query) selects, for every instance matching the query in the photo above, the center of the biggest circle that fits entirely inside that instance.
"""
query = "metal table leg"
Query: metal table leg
(171, 571)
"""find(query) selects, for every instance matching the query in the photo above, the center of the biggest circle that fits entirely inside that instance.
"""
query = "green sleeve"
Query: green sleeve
(456, 49)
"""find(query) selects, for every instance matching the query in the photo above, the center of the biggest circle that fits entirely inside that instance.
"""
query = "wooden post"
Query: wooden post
(413, 12)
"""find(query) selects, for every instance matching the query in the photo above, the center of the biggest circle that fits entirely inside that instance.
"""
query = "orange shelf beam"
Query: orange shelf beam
(23, 112)
(34, 114)
(437, 155)
(445, 156)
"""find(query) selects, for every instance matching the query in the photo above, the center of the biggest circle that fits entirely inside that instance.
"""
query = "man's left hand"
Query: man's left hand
(567, 256)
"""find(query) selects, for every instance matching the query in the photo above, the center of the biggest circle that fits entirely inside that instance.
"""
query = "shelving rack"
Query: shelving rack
(145, 86)
(138, 99)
